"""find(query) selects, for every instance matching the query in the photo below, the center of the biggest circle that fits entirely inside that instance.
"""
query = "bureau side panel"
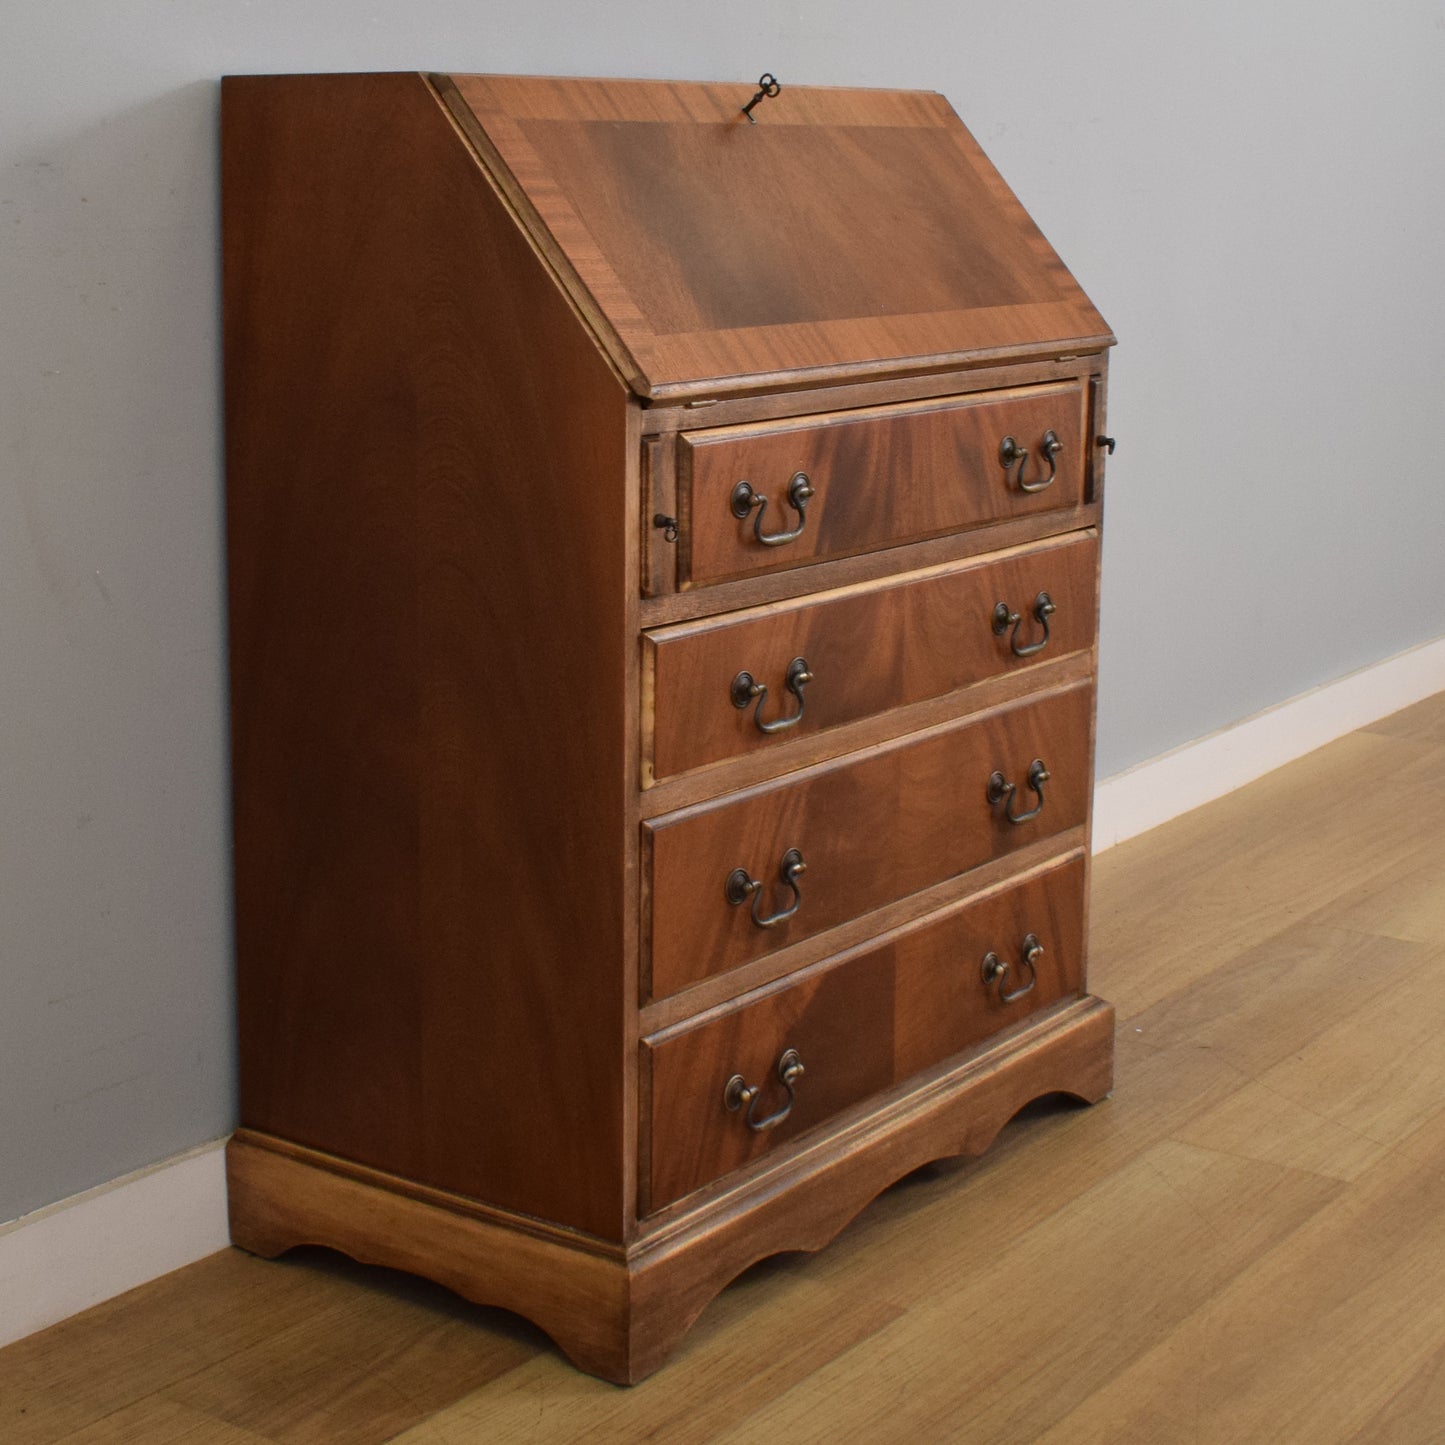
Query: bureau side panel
(427, 528)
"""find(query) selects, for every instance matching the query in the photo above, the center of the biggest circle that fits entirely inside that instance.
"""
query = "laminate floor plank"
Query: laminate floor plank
(1409, 904)
(1001, 1355)
(1212, 884)
(285, 1348)
(1246, 1242)
(1380, 1074)
(775, 1327)
(120, 1352)
(1413, 1415)
(154, 1421)
(1315, 1342)
(1257, 1122)
(353, 1374)
(1276, 996)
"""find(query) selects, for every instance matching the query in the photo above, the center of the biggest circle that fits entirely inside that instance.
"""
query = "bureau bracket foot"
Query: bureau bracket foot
(619, 1311)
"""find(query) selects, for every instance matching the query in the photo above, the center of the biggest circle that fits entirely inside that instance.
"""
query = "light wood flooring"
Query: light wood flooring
(1246, 1243)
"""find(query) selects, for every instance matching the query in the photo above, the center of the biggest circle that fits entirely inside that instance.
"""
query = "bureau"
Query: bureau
(663, 575)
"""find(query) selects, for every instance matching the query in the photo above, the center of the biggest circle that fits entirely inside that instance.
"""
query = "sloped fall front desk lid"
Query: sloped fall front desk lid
(846, 233)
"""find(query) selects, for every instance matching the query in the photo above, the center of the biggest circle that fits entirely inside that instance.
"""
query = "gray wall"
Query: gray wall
(1252, 193)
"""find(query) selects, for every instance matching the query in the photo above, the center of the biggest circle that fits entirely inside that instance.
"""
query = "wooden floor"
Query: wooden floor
(1245, 1244)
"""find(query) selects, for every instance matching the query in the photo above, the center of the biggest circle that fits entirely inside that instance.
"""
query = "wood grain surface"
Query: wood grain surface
(871, 828)
(414, 832)
(663, 1014)
(880, 477)
(861, 1025)
(869, 649)
(714, 254)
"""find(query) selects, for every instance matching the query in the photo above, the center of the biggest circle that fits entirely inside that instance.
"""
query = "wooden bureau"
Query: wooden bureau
(663, 554)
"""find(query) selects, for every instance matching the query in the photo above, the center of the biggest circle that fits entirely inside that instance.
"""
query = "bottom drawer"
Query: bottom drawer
(726, 1090)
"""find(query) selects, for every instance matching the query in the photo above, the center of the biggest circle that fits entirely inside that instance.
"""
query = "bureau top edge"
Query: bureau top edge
(836, 235)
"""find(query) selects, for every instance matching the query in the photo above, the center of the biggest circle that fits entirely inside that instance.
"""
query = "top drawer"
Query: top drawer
(856, 481)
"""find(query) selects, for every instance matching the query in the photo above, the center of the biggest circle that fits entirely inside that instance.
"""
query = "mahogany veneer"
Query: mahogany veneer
(519, 1005)
(879, 1014)
(946, 614)
(940, 458)
(872, 827)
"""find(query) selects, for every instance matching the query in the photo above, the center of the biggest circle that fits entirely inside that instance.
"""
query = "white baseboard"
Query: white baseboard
(1151, 793)
(74, 1254)
(68, 1256)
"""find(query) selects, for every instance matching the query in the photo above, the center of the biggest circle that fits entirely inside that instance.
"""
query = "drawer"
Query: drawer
(840, 656)
(874, 478)
(869, 828)
(872, 1019)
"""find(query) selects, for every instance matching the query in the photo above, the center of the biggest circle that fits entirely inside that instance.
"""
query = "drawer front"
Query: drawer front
(877, 478)
(870, 828)
(880, 1015)
(863, 649)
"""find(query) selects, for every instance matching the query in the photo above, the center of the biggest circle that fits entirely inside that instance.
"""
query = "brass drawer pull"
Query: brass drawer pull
(737, 1093)
(1004, 618)
(741, 886)
(1000, 790)
(995, 969)
(744, 499)
(1010, 452)
(746, 687)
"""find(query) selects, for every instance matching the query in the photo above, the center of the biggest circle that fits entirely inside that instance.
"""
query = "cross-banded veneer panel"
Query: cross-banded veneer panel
(844, 232)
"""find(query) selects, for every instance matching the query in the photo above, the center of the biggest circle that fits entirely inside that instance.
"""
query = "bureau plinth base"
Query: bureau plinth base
(618, 1311)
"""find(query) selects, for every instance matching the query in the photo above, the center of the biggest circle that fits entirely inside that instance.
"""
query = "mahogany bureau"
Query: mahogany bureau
(663, 555)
